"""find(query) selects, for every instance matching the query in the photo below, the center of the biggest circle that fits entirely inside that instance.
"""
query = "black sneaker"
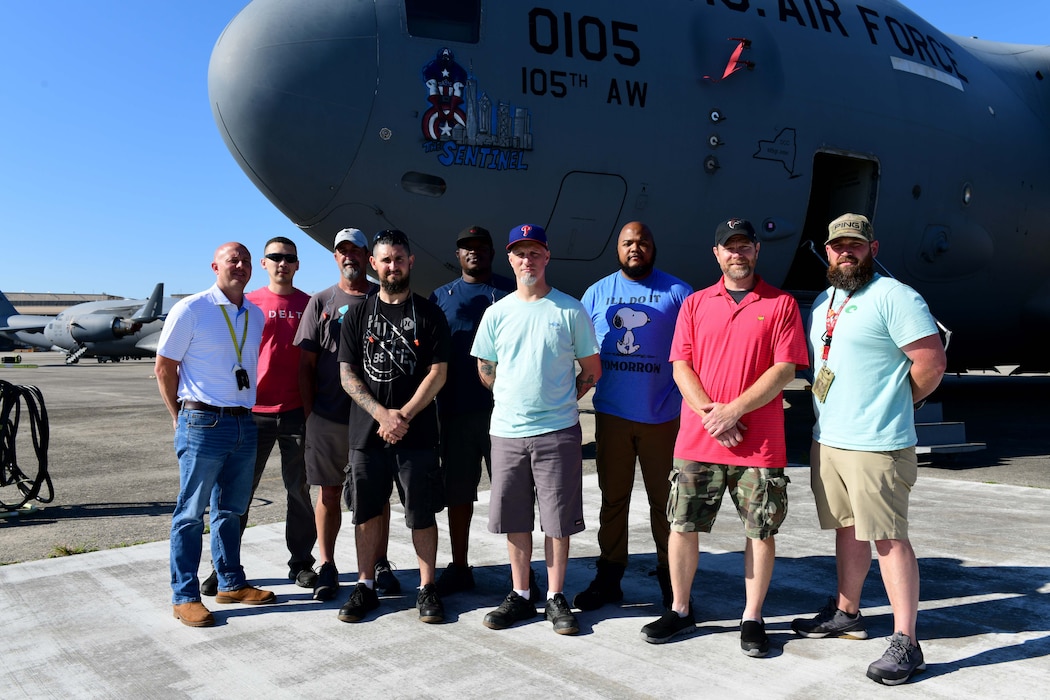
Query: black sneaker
(513, 609)
(900, 661)
(605, 588)
(362, 601)
(429, 604)
(455, 579)
(326, 586)
(386, 582)
(753, 639)
(210, 585)
(831, 622)
(669, 626)
(558, 612)
(304, 578)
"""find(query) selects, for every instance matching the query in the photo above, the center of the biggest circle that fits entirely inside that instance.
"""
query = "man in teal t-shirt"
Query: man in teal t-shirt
(875, 352)
(527, 348)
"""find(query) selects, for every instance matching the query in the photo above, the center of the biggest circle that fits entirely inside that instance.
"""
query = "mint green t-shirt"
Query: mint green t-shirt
(869, 405)
(535, 346)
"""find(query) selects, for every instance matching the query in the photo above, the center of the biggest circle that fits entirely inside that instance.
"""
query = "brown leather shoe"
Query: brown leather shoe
(248, 595)
(193, 614)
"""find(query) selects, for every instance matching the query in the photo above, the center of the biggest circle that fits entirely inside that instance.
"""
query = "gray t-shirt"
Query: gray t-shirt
(319, 332)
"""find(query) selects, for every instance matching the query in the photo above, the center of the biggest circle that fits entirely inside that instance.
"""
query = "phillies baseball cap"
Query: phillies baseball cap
(527, 232)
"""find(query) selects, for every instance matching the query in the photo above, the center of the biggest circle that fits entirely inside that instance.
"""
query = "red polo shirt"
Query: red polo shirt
(730, 346)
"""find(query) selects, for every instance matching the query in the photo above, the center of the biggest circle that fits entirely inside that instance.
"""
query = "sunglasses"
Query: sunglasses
(289, 258)
(390, 237)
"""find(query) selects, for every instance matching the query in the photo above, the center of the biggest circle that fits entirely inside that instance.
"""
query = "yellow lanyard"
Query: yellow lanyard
(233, 334)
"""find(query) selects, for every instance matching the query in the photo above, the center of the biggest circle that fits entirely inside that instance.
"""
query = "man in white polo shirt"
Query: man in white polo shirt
(206, 371)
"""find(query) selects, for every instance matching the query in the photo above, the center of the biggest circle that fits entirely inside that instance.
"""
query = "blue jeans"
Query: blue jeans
(216, 459)
(288, 430)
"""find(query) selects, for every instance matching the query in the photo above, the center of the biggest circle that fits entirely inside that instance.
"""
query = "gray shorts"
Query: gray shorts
(543, 469)
(326, 452)
(465, 444)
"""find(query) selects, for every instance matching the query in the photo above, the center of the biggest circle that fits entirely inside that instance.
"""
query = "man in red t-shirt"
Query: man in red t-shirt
(278, 410)
(736, 345)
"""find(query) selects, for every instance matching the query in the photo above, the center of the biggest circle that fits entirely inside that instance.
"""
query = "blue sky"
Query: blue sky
(113, 175)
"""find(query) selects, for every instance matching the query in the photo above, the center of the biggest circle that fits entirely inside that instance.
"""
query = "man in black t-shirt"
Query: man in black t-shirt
(393, 359)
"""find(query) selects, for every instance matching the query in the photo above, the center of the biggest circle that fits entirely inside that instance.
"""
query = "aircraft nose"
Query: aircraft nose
(291, 86)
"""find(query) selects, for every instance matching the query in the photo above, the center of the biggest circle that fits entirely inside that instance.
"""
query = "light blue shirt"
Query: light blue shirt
(634, 322)
(869, 405)
(196, 335)
(535, 345)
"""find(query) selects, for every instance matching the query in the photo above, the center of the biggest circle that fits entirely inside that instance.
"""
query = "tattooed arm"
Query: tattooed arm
(590, 373)
(487, 373)
(392, 425)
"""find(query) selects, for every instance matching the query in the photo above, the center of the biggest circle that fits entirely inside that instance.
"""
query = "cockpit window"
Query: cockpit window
(450, 20)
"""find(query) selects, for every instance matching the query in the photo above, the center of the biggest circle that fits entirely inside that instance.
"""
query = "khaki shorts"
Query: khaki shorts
(866, 490)
(760, 496)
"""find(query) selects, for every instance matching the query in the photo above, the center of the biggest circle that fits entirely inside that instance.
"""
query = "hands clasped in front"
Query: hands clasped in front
(393, 425)
(723, 424)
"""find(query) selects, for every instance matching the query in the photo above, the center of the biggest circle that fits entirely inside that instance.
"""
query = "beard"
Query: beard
(351, 273)
(394, 286)
(738, 272)
(850, 279)
(638, 270)
(528, 279)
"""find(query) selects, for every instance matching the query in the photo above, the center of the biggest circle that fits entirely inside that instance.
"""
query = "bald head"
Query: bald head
(233, 269)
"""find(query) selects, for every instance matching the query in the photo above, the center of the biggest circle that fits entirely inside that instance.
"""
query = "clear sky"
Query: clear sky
(113, 176)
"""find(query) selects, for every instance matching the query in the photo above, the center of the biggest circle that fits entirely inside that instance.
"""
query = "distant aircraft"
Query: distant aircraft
(107, 330)
(429, 117)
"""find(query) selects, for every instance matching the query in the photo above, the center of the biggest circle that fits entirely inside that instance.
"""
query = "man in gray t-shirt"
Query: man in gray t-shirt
(327, 406)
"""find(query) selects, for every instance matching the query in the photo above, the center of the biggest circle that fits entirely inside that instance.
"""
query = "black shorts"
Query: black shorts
(373, 473)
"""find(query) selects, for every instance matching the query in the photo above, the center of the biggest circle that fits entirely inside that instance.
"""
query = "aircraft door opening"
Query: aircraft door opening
(585, 215)
(841, 183)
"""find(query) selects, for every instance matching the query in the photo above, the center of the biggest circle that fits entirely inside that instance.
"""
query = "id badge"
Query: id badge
(822, 383)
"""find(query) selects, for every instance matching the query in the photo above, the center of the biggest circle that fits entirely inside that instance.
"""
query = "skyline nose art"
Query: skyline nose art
(291, 87)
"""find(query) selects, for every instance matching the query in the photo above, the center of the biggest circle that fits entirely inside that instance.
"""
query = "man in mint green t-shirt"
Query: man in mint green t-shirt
(527, 347)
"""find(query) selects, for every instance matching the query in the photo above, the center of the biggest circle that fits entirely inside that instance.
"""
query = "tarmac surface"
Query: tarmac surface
(99, 624)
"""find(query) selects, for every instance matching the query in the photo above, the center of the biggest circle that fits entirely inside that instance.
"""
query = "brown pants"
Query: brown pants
(620, 443)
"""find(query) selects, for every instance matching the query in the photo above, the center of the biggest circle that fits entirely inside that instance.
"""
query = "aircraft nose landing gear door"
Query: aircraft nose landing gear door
(585, 214)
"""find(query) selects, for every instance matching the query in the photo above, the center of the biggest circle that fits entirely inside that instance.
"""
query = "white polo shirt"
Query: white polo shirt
(196, 335)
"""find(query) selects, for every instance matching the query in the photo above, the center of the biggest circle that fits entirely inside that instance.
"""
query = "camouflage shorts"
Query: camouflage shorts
(760, 497)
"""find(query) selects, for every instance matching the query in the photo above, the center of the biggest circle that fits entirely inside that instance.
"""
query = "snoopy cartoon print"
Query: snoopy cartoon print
(628, 319)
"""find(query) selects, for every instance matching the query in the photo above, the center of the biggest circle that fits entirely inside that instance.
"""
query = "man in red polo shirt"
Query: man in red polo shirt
(736, 345)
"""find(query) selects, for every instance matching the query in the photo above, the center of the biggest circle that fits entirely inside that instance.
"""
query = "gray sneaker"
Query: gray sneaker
(831, 622)
(900, 661)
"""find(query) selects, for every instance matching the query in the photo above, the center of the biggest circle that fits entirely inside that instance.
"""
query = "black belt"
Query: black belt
(228, 410)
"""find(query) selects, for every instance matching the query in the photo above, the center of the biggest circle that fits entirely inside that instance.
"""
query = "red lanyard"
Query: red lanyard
(831, 321)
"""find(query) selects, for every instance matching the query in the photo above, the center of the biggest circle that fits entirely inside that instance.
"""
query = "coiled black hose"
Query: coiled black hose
(37, 487)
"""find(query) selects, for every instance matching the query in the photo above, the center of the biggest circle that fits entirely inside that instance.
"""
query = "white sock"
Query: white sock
(370, 584)
(524, 594)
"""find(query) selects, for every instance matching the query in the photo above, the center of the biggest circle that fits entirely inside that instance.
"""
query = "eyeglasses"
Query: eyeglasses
(289, 258)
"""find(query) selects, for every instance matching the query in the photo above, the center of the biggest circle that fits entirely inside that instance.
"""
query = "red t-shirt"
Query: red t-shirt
(730, 346)
(278, 380)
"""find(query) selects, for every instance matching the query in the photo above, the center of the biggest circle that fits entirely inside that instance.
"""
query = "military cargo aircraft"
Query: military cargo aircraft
(106, 330)
(582, 116)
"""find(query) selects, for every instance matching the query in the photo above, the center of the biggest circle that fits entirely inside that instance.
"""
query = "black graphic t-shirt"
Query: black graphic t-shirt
(391, 348)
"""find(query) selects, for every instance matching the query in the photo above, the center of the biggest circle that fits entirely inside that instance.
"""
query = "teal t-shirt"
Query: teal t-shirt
(535, 346)
(869, 405)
